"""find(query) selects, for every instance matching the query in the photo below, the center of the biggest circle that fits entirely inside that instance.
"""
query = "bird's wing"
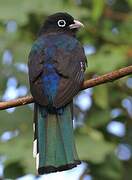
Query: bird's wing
(35, 66)
(71, 66)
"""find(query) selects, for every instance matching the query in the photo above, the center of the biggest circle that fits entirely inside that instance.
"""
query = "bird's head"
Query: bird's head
(60, 22)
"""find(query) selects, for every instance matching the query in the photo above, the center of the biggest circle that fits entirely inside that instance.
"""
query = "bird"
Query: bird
(56, 64)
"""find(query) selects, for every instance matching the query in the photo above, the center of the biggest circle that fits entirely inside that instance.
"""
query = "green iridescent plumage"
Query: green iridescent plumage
(55, 141)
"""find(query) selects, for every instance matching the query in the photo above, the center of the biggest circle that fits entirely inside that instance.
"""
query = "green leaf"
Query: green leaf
(107, 59)
(92, 147)
(14, 170)
(110, 169)
(19, 148)
(100, 96)
(130, 2)
(9, 9)
(97, 10)
(97, 117)
(20, 119)
(117, 33)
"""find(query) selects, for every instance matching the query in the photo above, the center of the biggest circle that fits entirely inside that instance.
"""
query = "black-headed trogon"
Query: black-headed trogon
(56, 72)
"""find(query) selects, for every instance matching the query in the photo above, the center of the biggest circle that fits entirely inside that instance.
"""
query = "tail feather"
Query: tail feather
(35, 144)
(54, 147)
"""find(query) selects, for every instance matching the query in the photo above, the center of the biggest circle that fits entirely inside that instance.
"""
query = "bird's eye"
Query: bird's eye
(61, 23)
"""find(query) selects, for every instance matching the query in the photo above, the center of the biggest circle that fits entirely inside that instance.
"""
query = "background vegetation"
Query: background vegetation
(103, 114)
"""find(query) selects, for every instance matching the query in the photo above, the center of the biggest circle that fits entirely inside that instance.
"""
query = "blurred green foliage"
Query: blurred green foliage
(108, 27)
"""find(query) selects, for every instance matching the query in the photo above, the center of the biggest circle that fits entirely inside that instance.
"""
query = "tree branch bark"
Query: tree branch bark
(109, 77)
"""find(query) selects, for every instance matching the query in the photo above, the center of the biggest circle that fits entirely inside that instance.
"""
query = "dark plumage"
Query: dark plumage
(51, 23)
(56, 73)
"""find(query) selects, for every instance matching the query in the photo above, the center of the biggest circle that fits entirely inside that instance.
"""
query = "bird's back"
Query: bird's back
(55, 56)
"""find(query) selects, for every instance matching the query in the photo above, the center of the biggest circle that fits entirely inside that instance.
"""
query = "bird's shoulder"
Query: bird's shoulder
(61, 41)
(38, 44)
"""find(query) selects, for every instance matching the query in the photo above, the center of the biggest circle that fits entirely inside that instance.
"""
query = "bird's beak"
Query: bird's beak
(76, 25)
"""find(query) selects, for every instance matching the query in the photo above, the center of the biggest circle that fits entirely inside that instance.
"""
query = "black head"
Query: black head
(60, 22)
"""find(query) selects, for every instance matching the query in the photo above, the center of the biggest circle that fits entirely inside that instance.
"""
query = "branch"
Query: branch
(119, 16)
(109, 77)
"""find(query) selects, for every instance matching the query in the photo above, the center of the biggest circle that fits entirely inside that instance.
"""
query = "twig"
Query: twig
(119, 16)
(109, 77)
(16, 102)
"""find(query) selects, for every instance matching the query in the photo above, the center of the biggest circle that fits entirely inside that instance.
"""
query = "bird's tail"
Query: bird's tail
(54, 147)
